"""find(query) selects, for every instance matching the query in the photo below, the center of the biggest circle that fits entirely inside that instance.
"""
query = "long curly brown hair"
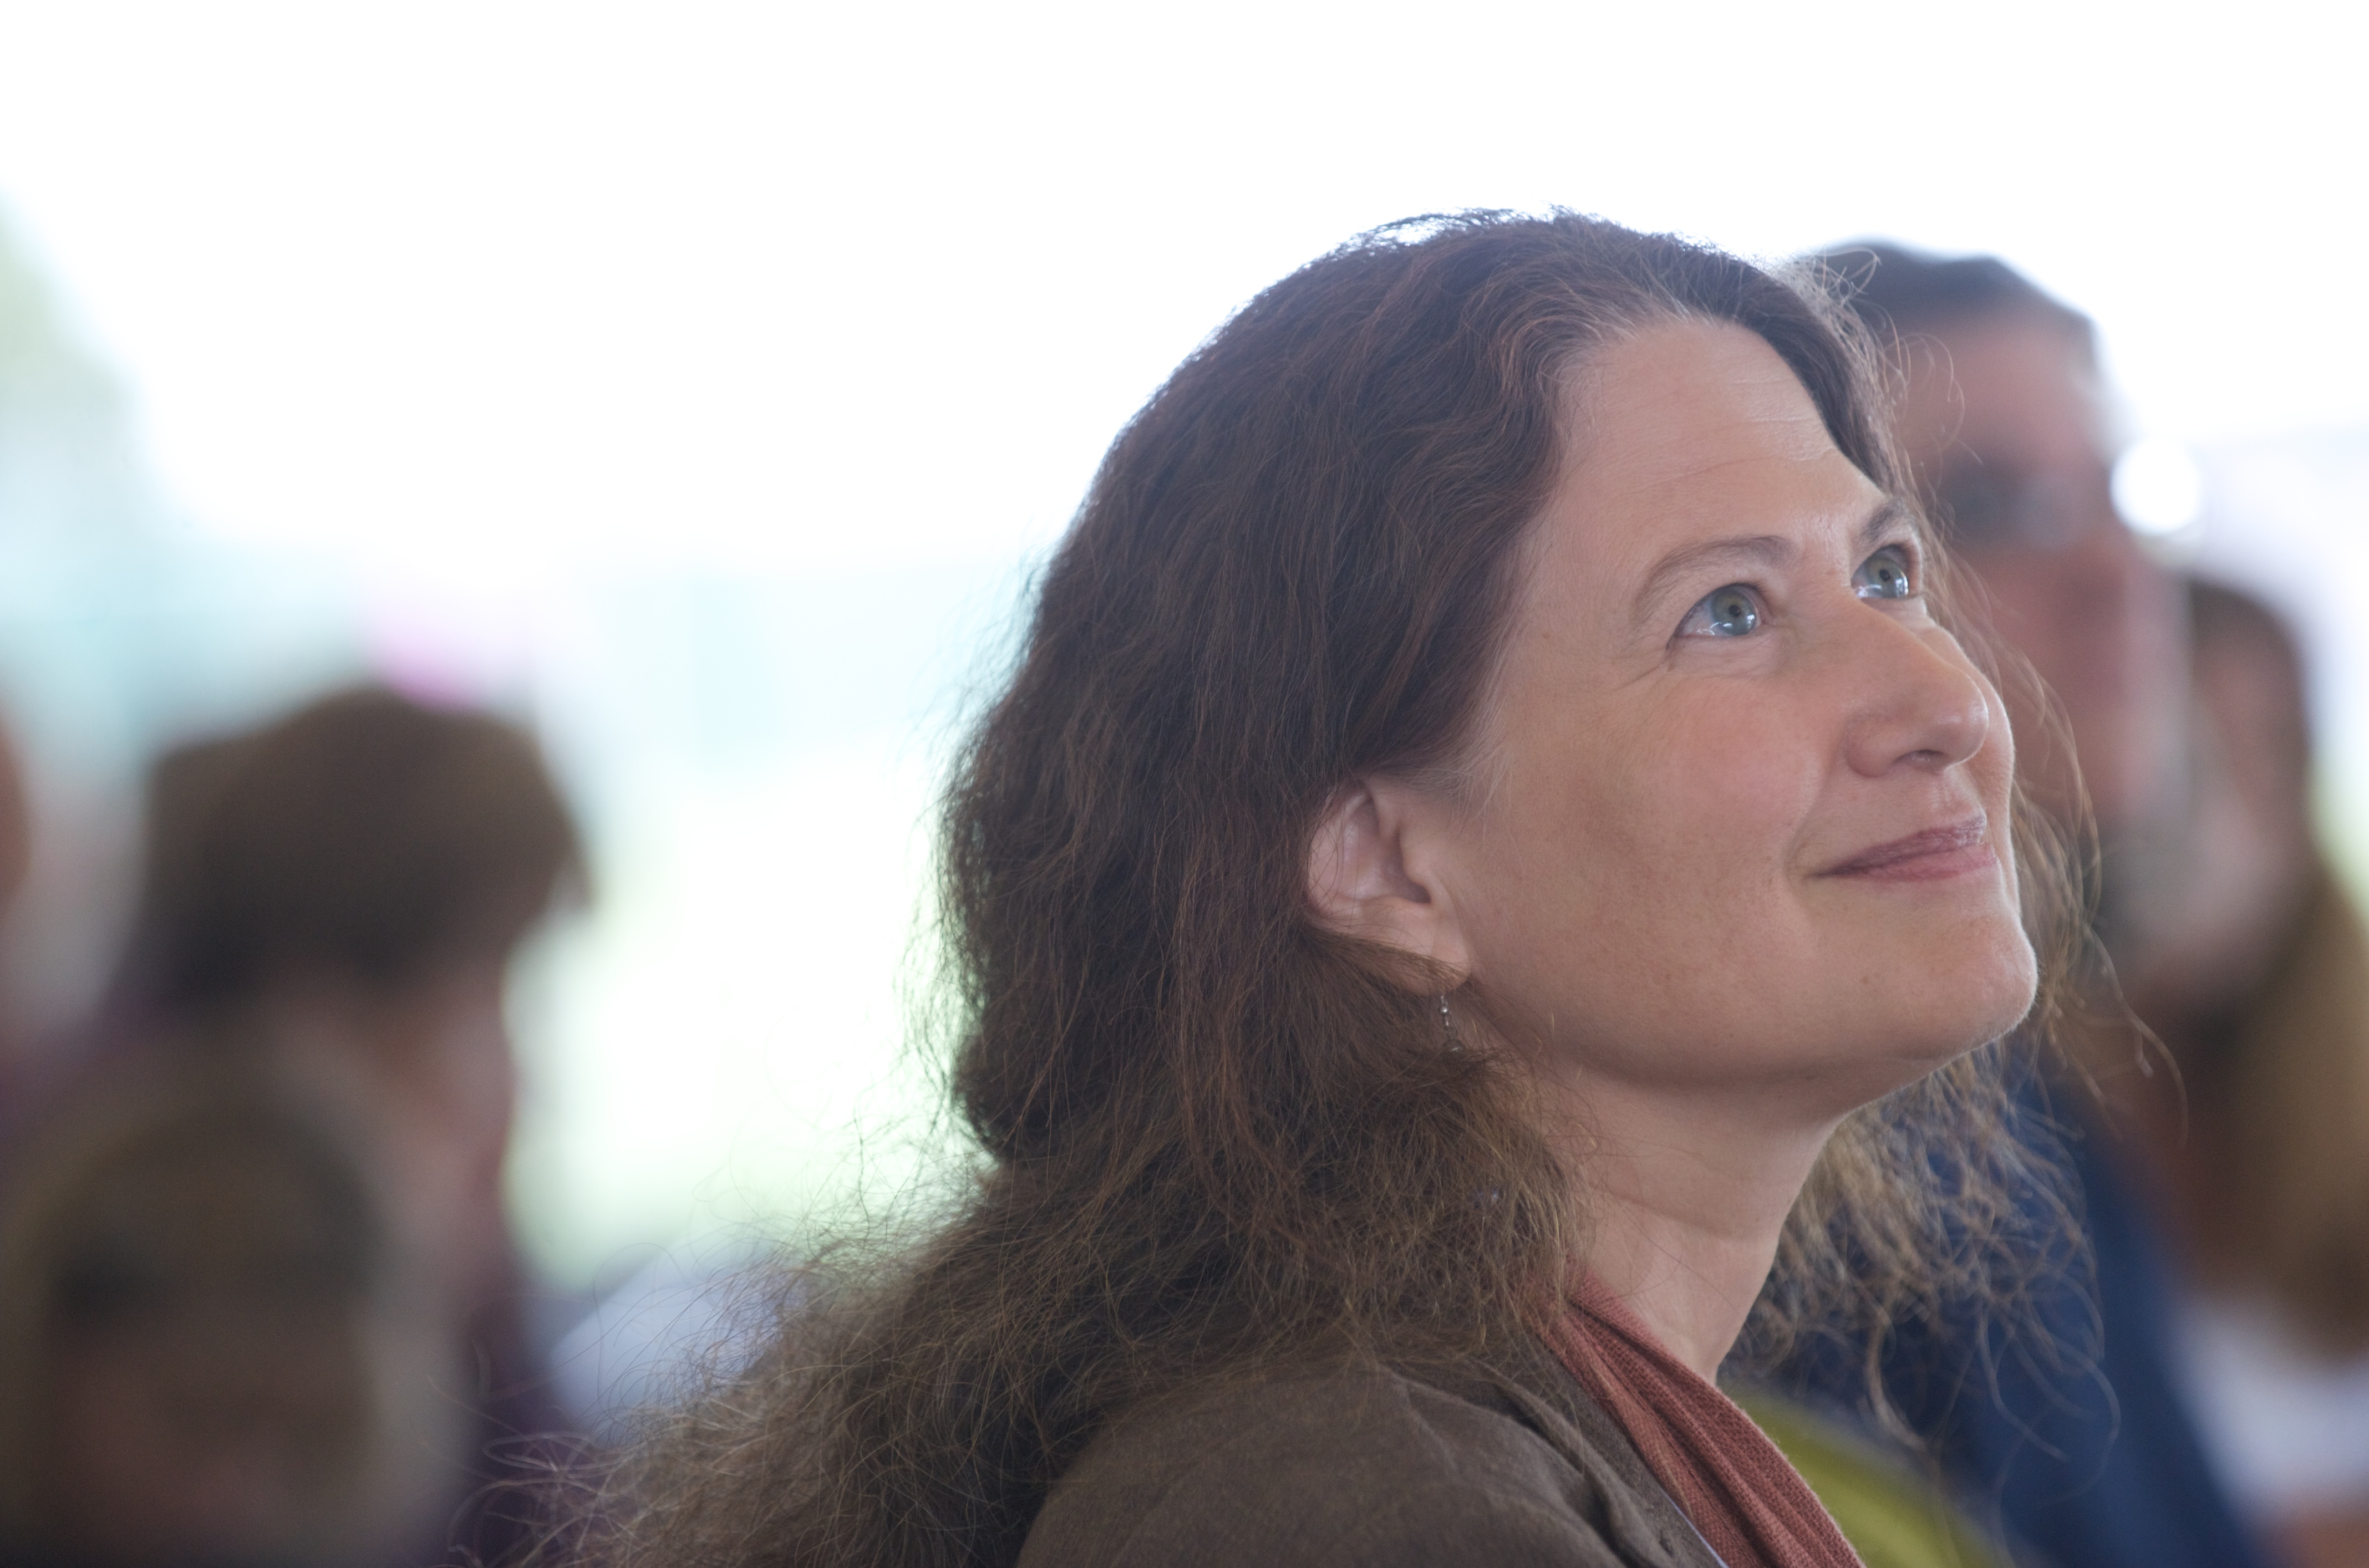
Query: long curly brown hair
(1213, 1138)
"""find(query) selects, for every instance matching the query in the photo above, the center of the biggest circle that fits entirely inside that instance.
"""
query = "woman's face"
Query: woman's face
(1738, 817)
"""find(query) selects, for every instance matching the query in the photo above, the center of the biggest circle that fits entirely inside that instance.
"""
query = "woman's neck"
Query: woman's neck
(1688, 1201)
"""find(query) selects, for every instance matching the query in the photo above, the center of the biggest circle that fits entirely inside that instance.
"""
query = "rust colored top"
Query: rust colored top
(1751, 1506)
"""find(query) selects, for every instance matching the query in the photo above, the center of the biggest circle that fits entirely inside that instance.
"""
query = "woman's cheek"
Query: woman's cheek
(1742, 768)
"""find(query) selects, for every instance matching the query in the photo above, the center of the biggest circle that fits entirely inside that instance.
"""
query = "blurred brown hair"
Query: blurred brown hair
(1899, 292)
(2284, 1104)
(1215, 1139)
(365, 834)
(2278, 1074)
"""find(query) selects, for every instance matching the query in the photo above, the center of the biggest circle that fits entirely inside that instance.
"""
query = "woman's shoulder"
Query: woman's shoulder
(1367, 1466)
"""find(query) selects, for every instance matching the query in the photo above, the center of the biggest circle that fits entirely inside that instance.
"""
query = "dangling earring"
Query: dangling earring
(1448, 1024)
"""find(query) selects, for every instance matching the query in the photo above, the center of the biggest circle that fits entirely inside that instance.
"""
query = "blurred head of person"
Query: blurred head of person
(203, 1343)
(2004, 420)
(348, 885)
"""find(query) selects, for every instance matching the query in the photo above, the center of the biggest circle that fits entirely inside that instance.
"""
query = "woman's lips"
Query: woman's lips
(1928, 856)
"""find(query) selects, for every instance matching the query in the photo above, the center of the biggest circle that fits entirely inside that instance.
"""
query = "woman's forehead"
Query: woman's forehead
(1670, 397)
(1690, 430)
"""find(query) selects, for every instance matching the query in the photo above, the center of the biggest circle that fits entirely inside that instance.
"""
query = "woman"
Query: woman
(1486, 797)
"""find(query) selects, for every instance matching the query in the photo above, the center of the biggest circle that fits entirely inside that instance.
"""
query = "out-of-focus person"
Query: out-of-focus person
(330, 906)
(348, 886)
(2256, 983)
(2004, 416)
(208, 1351)
(2073, 1427)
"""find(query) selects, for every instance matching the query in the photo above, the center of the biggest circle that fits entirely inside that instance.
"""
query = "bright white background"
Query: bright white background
(697, 379)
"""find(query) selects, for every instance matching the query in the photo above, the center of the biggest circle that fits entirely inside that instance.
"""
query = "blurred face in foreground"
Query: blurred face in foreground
(2005, 420)
(1735, 828)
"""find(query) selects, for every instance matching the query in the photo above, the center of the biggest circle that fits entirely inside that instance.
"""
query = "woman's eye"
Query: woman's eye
(1885, 575)
(1730, 612)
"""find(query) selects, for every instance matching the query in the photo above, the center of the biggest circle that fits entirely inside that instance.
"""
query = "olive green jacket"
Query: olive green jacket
(1375, 1469)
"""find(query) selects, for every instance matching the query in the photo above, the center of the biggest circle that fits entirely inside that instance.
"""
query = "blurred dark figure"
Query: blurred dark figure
(2258, 990)
(206, 1354)
(347, 887)
(330, 907)
(2067, 1423)
(2256, 978)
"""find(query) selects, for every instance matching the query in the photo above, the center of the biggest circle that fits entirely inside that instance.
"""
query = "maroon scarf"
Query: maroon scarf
(1721, 1470)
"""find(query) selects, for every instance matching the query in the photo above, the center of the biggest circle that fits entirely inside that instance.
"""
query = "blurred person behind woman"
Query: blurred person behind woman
(2224, 929)
(210, 1352)
(333, 901)
(2257, 983)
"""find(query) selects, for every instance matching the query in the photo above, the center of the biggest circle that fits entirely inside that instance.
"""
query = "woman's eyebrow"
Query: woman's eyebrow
(1748, 550)
(1753, 550)
(1889, 513)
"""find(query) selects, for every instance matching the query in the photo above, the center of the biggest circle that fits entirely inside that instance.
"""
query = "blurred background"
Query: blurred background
(698, 385)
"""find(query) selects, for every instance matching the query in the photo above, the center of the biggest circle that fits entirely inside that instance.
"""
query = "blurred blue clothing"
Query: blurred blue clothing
(2065, 1430)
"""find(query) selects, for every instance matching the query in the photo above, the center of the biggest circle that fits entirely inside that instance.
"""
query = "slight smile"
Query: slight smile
(1928, 856)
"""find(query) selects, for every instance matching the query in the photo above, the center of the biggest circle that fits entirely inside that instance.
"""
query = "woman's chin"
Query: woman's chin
(1968, 1004)
(1975, 977)
(1955, 1008)
(2001, 990)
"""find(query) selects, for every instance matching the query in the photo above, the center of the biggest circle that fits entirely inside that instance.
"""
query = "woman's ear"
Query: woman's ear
(1372, 873)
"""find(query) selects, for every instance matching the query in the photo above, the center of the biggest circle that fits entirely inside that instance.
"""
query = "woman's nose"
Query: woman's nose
(1916, 701)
